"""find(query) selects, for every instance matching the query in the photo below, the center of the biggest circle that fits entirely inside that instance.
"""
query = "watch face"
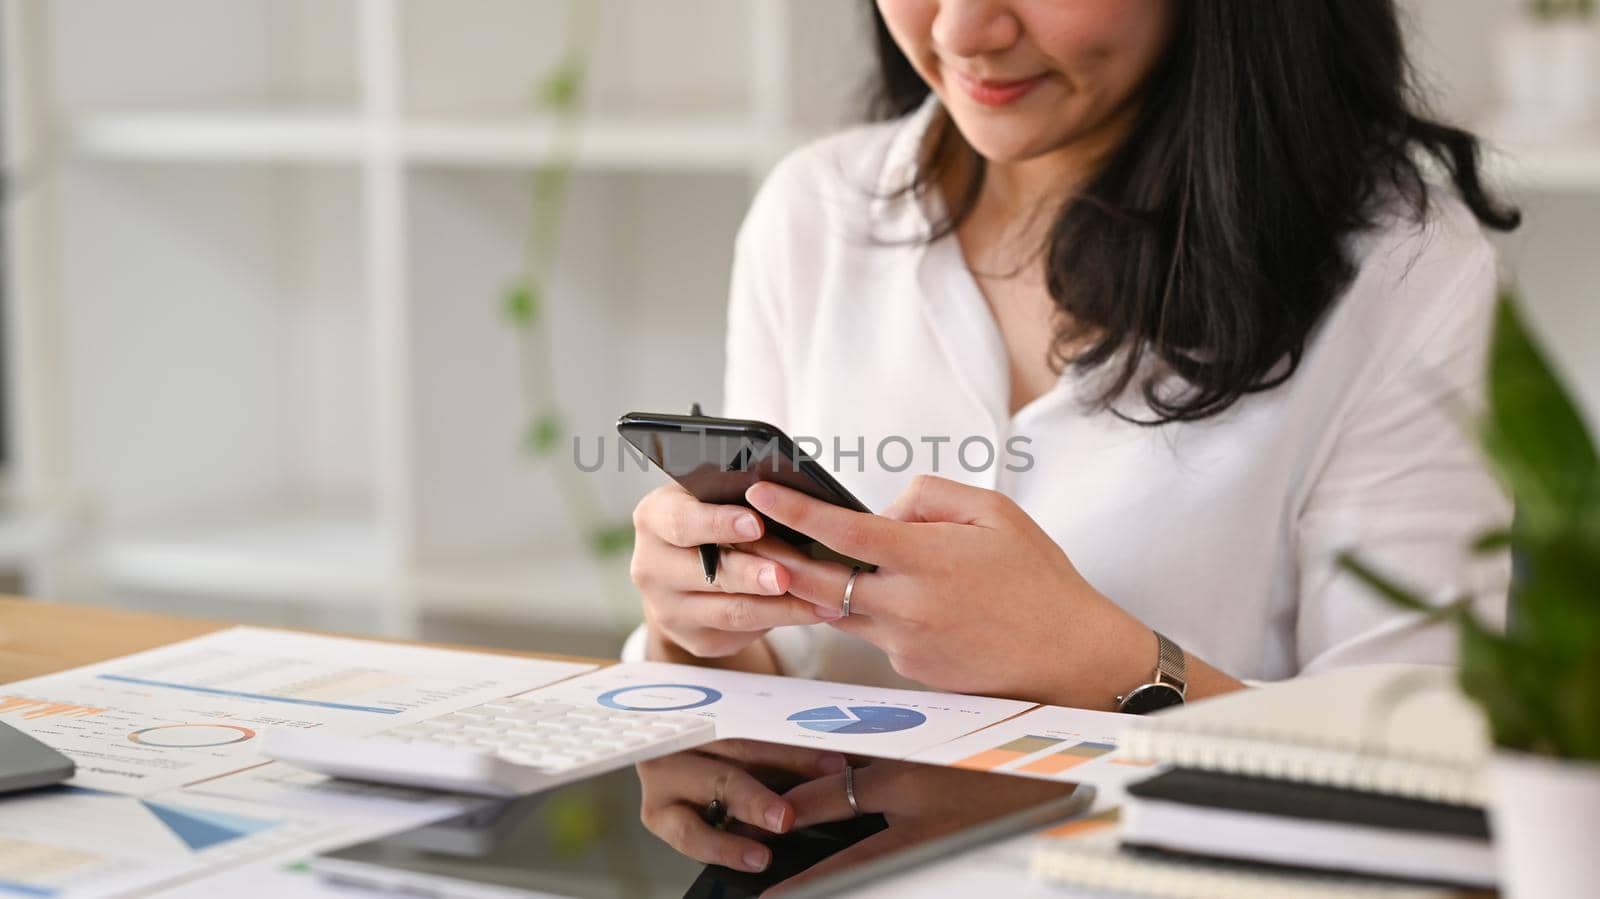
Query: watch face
(1150, 698)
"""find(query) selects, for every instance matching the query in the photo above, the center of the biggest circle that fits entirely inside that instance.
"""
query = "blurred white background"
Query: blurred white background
(258, 363)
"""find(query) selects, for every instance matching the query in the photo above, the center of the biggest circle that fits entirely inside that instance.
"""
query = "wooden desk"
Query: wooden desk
(41, 637)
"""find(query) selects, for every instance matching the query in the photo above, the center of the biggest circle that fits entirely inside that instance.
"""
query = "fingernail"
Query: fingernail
(827, 613)
(760, 495)
(769, 579)
(830, 764)
(755, 860)
(775, 819)
(747, 526)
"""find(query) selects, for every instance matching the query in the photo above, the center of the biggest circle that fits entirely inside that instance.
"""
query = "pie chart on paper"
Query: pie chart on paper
(858, 719)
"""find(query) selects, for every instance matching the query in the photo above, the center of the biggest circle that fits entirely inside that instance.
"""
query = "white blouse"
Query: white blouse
(1221, 533)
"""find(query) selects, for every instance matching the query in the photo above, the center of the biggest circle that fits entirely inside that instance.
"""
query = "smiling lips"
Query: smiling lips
(995, 93)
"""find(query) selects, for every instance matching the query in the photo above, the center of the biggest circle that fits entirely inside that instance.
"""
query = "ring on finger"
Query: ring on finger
(850, 789)
(849, 592)
(716, 811)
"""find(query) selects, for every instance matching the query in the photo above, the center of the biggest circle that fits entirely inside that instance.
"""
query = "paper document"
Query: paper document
(77, 842)
(1052, 743)
(172, 716)
(842, 717)
(264, 880)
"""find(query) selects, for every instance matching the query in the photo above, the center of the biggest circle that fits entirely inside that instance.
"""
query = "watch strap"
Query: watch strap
(1171, 665)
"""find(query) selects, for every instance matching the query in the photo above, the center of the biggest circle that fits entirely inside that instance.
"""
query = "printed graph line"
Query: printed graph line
(43, 708)
(240, 694)
(191, 736)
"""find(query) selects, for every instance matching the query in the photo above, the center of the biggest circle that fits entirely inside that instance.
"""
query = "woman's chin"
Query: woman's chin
(1006, 145)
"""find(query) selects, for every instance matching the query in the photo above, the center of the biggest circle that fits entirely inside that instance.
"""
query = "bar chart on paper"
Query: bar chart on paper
(1049, 742)
(171, 716)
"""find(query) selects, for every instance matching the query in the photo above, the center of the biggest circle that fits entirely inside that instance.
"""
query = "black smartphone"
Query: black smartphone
(717, 459)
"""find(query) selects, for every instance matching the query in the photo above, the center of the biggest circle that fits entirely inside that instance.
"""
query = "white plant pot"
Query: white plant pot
(1545, 816)
(1548, 75)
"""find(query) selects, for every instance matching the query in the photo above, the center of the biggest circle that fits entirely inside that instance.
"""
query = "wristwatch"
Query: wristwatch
(1168, 687)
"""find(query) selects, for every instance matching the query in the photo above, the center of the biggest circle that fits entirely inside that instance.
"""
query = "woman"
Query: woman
(1183, 250)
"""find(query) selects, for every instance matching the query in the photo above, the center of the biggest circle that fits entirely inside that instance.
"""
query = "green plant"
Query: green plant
(1539, 682)
(1555, 10)
(560, 96)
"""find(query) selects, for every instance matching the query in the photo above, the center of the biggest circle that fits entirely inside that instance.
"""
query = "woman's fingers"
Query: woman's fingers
(682, 828)
(679, 787)
(676, 517)
(798, 759)
(740, 613)
(660, 566)
(823, 583)
(860, 535)
(931, 498)
(737, 572)
(824, 799)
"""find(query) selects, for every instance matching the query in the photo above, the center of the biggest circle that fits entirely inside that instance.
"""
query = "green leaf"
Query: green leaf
(1387, 588)
(561, 88)
(544, 434)
(1539, 682)
(611, 540)
(1491, 542)
(522, 304)
(1533, 432)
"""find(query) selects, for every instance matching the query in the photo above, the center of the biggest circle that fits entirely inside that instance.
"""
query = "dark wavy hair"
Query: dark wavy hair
(1215, 236)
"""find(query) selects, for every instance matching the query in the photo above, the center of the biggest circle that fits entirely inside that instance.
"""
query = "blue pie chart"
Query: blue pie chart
(858, 719)
(659, 697)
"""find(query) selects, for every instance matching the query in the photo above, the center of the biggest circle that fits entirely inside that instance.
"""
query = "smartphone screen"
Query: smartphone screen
(717, 459)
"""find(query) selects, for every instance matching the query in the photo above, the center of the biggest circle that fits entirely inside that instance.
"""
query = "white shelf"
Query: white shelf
(710, 144)
(306, 555)
(1521, 154)
(323, 206)
(706, 144)
(1558, 167)
(261, 136)
(319, 557)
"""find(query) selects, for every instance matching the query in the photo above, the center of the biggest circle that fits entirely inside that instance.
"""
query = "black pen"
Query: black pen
(708, 551)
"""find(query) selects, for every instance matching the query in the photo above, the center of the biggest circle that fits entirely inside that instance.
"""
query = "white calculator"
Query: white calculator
(508, 747)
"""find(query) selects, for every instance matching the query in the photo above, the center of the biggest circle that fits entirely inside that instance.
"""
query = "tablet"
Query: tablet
(586, 840)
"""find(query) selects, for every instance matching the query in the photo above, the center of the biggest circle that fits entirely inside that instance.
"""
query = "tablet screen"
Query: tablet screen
(587, 839)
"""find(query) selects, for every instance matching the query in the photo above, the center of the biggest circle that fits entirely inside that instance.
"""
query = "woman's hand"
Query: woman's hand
(920, 803)
(708, 620)
(970, 595)
(677, 789)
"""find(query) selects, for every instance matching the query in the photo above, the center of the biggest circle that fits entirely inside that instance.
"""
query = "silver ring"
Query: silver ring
(850, 789)
(849, 591)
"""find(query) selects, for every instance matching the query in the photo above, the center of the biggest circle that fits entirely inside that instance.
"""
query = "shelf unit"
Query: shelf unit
(255, 343)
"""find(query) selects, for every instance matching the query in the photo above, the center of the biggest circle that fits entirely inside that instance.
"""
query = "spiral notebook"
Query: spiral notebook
(1353, 775)
(1084, 855)
(1396, 730)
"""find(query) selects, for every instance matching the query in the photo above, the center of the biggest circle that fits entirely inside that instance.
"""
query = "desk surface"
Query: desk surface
(39, 637)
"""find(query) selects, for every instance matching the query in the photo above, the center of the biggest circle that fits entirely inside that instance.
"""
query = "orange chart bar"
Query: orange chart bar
(990, 759)
(1071, 757)
(42, 708)
(1084, 826)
